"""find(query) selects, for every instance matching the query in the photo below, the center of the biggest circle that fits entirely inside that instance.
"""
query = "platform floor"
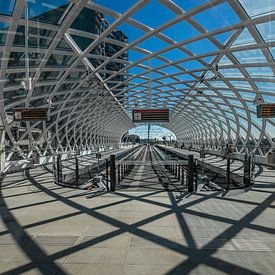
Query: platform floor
(46, 229)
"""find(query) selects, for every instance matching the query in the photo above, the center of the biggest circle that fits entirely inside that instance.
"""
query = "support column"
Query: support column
(190, 180)
(58, 169)
(247, 172)
(2, 149)
(118, 173)
(107, 174)
(182, 175)
(228, 173)
(112, 172)
(76, 171)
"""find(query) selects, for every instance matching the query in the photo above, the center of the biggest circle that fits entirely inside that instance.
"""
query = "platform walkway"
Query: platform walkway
(47, 229)
(214, 161)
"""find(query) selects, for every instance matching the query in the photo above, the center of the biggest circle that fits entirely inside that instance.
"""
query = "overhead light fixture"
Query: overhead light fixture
(216, 72)
(202, 77)
(258, 99)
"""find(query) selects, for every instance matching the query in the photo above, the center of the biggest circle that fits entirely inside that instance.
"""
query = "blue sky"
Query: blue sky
(155, 132)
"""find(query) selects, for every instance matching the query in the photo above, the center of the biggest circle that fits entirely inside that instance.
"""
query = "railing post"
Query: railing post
(228, 173)
(107, 173)
(58, 169)
(182, 175)
(190, 180)
(196, 173)
(118, 173)
(112, 172)
(76, 170)
(247, 172)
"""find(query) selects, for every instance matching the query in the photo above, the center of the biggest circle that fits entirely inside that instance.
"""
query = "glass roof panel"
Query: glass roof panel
(201, 46)
(241, 84)
(256, 8)
(183, 58)
(146, 17)
(118, 5)
(223, 37)
(217, 17)
(46, 10)
(153, 44)
(6, 7)
(174, 54)
(225, 61)
(265, 86)
(181, 31)
(267, 30)
(244, 38)
(260, 71)
(3, 32)
(189, 4)
(250, 56)
(272, 51)
(232, 72)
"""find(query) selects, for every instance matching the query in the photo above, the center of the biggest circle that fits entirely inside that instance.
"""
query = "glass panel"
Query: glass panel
(47, 11)
(222, 38)
(39, 38)
(82, 42)
(59, 60)
(63, 45)
(42, 90)
(232, 72)
(14, 79)
(119, 5)
(225, 61)
(146, 14)
(267, 30)
(181, 31)
(256, 8)
(190, 65)
(217, 17)
(241, 84)
(153, 44)
(174, 54)
(189, 4)
(260, 71)
(218, 84)
(6, 7)
(250, 56)
(244, 38)
(272, 51)
(247, 95)
(265, 86)
(17, 59)
(13, 96)
(4, 27)
(201, 46)
(49, 75)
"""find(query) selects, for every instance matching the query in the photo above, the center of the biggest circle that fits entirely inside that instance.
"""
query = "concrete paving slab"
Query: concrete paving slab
(141, 232)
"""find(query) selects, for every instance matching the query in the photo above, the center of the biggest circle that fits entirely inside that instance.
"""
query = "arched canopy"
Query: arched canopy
(93, 62)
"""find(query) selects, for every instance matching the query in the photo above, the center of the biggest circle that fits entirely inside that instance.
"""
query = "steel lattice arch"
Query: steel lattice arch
(91, 64)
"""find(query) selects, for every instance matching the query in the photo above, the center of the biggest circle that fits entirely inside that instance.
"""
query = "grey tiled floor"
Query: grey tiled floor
(47, 229)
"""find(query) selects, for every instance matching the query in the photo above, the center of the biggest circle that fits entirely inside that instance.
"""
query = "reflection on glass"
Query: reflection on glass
(6, 7)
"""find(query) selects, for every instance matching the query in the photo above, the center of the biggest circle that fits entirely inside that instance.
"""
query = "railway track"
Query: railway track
(149, 173)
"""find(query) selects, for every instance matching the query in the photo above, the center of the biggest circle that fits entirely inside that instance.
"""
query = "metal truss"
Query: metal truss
(211, 103)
